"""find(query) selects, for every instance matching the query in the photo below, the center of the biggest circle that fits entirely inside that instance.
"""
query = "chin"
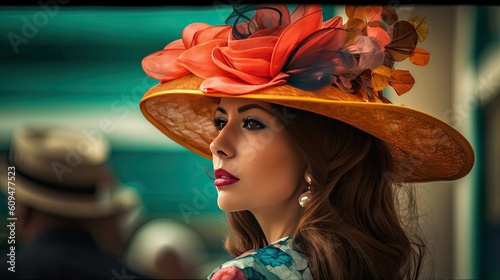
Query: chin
(228, 207)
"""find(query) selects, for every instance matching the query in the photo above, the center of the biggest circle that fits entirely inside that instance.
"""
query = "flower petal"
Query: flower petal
(402, 81)
(302, 10)
(364, 13)
(389, 15)
(198, 33)
(189, 33)
(312, 63)
(163, 65)
(249, 69)
(292, 36)
(373, 13)
(236, 86)
(404, 39)
(421, 26)
(380, 77)
(198, 59)
(247, 47)
(420, 57)
(369, 53)
(334, 22)
(379, 34)
(228, 273)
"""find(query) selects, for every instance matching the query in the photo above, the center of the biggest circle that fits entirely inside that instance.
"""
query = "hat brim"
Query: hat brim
(424, 148)
(122, 199)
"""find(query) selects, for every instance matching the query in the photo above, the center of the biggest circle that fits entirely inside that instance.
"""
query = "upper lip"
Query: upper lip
(220, 173)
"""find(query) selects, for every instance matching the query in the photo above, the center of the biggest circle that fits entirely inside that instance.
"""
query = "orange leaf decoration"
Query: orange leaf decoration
(381, 77)
(352, 11)
(404, 41)
(389, 15)
(421, 26)
(420, 57)
(373, 13)
(402, 81)
(355, 23)
(355, 27)
(366, 13)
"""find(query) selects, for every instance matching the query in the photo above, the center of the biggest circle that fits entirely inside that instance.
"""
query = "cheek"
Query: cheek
(282, 164)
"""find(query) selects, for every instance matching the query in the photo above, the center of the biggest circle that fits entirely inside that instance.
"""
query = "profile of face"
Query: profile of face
(257, 167)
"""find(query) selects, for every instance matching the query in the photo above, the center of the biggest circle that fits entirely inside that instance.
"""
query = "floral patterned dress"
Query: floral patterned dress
(275, 261)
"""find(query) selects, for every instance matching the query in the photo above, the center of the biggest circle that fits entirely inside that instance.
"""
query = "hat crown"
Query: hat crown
(58, 156)
(64, 171)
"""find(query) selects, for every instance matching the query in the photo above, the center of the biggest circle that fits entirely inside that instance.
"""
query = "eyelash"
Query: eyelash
(247, 121)
(219, 124)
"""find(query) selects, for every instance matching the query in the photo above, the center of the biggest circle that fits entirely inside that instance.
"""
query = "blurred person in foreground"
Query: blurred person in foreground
(68, 207)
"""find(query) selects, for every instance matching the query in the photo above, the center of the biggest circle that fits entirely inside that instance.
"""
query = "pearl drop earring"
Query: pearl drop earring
(304, 198)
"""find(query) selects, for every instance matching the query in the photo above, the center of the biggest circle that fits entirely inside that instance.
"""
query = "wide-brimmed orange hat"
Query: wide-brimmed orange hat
(333, 68)
(61, 171)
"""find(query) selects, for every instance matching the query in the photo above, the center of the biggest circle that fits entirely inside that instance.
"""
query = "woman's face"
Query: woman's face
(256, 165)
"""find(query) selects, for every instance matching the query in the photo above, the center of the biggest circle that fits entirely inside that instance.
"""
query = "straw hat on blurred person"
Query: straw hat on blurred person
(69, 205)
(65, 172)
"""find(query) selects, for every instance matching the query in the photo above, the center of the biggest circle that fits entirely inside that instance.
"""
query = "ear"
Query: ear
(308, 177)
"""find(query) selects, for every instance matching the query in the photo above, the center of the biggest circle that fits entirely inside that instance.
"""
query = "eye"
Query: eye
(252, 124)
(219, 123)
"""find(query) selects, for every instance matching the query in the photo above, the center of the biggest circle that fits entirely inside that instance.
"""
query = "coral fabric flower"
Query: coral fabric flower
(270, 58)
(228, 273)
(184, 56)
(264, 45)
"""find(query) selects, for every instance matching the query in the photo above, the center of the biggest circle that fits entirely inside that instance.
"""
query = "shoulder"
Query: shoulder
(275, 261)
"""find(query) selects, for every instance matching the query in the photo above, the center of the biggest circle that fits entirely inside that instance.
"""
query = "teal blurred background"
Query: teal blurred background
(81, 65)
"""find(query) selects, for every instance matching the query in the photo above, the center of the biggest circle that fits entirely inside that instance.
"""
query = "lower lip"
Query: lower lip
(221, 182)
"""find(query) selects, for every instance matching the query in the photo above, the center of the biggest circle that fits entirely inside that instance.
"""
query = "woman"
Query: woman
(309, 157)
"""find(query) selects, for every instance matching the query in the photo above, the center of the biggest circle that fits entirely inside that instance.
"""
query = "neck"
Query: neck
(278, 224)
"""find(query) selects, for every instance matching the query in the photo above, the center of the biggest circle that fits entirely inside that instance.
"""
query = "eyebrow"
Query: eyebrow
(244, 108)
(222, 110)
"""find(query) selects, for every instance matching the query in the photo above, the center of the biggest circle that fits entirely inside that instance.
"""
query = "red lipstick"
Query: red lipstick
(224, 178)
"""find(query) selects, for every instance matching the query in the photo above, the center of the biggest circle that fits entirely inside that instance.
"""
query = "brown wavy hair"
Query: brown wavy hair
(359, 223)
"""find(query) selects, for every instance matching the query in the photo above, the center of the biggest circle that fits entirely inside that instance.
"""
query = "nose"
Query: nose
(222, 145)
